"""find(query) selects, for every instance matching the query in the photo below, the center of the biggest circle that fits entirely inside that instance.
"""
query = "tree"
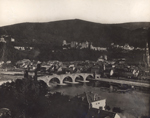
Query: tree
(23, 97)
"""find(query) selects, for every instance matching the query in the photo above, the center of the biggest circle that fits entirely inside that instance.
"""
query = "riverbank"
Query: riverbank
(9, 78)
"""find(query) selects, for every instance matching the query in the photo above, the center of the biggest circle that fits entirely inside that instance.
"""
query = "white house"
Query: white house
(96, 101)
(99, 104)
(12, 40)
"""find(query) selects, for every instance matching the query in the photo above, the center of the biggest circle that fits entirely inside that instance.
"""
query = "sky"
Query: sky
(100, 11)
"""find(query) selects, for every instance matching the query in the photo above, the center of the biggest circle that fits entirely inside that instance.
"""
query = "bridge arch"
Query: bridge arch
(42, 82)
(88, 77)
(54, 80)
(79, 77)
(67, 78)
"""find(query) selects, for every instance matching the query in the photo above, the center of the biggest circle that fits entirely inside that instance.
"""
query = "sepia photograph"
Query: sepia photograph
(74, 58)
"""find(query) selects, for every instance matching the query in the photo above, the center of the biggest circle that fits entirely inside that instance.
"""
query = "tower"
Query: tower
(147, 55)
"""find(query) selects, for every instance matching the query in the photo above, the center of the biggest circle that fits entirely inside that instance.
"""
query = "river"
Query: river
(130, 102)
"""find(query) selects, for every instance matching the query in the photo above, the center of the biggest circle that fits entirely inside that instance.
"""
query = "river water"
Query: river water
(130, 102)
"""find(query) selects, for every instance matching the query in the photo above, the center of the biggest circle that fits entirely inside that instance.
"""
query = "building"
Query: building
(2, 40)
(101, 49)
(23, 63)
(93, 100)
(96, 101)
(127, 47)
(146, 57)
(97, 48)
(96, 106)
(12, 40)
(6, 39)
(138, 48)
(64, 43)
(116, 46)
(102, 58)
(20, 47)
(73, 44)
(105, 57)
(85, 45)
(96, 69)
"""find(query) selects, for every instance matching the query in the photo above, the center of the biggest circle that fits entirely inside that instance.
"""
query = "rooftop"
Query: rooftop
(92, 97)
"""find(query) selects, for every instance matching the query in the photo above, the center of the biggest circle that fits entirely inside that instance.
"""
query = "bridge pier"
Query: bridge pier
(61, 78)
(45, 79)
(73, 78)
(84, 77)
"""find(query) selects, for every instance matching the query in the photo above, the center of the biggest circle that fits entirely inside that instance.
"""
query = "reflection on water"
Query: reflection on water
(73, 89)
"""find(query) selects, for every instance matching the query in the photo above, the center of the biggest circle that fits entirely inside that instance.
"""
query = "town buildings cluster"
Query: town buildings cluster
(23, 47)
(6, 39)
(102, 67)
(125, 47)
(9, 39)
(89, 45)
(71, 45)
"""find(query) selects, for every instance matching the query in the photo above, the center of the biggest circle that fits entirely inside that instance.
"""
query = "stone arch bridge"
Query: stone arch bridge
(64, 78)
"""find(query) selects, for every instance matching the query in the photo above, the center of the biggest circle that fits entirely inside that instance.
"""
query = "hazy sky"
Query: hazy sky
(102, 11)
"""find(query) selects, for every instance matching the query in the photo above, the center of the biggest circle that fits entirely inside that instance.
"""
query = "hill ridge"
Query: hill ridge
(79, 30)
